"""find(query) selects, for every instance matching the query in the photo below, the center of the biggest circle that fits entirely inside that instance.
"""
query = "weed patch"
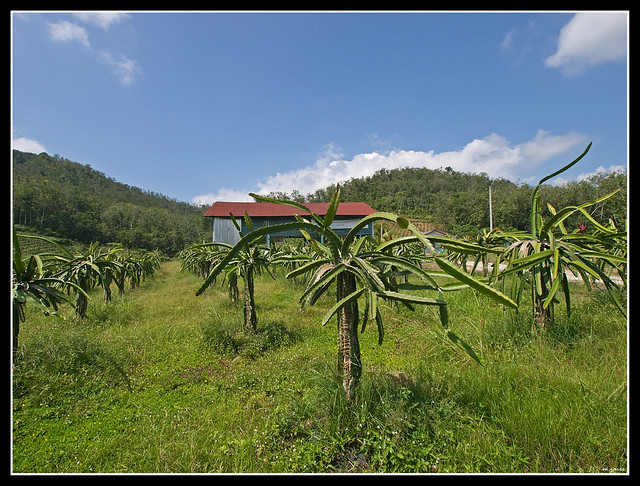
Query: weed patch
(227, 336)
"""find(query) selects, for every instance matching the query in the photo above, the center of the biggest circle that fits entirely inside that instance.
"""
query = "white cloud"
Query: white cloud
(102, 19)
(124, 68)
(590, 38)
(65, 31)
(223, 195)
(27, 145)
(545, 146)
(507, 41)
(492, 155)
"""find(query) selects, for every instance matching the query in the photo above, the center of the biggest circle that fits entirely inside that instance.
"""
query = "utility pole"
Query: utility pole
(490, 209)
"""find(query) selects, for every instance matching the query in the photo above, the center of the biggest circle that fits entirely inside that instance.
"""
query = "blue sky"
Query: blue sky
(205, 106)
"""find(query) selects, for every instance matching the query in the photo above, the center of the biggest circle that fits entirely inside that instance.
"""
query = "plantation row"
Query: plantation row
(49, 279)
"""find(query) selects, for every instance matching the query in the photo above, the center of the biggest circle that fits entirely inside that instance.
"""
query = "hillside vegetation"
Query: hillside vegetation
(459, 202)
(72, 200)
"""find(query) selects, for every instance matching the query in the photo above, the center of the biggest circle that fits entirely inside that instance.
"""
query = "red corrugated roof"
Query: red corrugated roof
(263, 209)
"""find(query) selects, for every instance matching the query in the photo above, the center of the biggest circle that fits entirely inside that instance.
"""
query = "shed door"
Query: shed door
(224, 231)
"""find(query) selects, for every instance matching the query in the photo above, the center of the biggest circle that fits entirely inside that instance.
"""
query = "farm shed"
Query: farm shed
(261, 213)
(437, 233)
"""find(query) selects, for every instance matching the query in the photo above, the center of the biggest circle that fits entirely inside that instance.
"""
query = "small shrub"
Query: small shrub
(228, 337)
(119, 311)
(276, 335)
(222, 337)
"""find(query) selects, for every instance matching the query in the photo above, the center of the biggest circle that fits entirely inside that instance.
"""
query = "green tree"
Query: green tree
(111, 273)
(250, 261)
(32, 283)
(546, 255)
(85, 270)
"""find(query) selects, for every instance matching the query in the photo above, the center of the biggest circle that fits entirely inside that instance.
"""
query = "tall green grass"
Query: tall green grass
(161, 381)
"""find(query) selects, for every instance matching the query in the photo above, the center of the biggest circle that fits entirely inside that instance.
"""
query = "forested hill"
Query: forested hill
(459, 202)
(74, 201)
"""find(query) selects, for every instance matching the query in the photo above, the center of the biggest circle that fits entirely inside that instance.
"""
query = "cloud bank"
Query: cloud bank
(589, 39)
(492, 155)
(600, 170)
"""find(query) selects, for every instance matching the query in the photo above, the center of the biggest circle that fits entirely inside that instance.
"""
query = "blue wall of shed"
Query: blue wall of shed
(272, 221)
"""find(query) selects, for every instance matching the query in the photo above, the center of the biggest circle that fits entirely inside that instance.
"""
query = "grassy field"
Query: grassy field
(162, 381)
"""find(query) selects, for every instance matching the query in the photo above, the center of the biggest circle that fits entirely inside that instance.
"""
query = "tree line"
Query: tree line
(459, 202)
(75, 201)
